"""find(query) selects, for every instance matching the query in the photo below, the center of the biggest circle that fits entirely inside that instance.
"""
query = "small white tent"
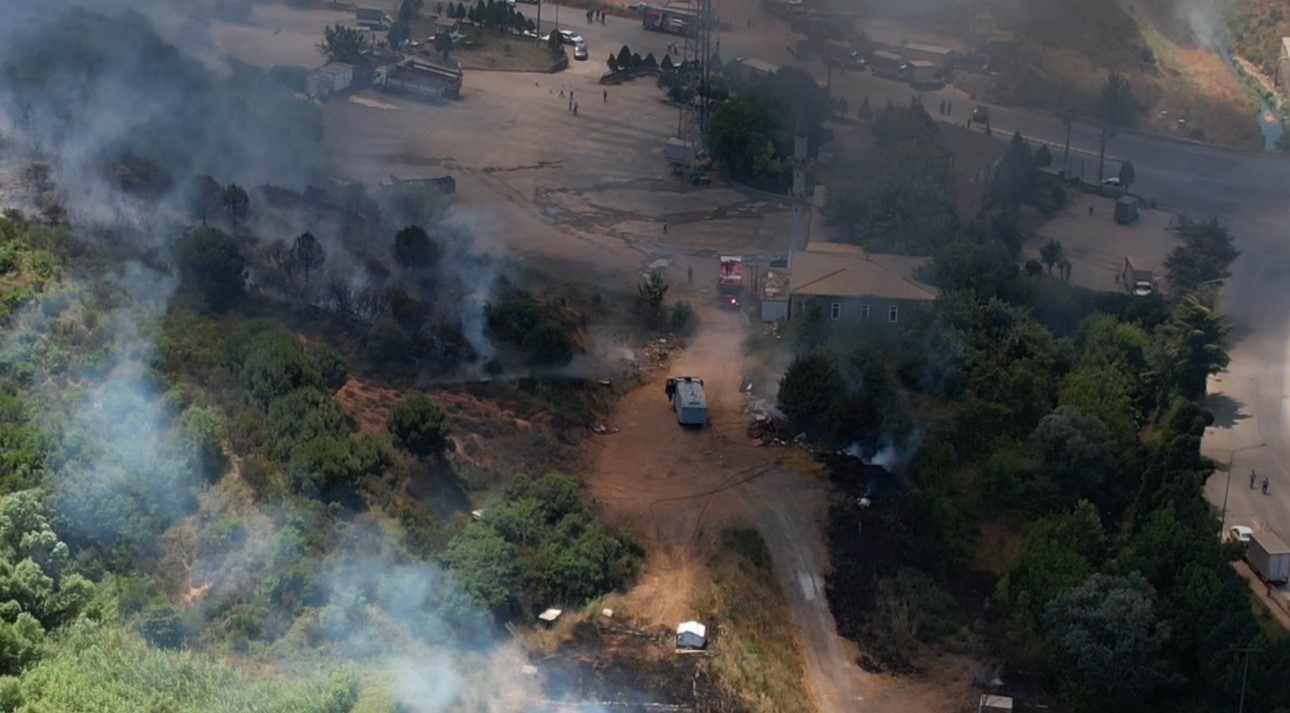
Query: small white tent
(691, 635)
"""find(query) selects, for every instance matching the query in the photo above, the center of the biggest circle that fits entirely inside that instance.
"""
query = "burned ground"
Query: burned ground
(629, 671)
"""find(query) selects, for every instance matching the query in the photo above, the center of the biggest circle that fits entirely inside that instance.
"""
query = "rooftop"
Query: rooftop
(932, 49)
(922, 63)
(842, 270)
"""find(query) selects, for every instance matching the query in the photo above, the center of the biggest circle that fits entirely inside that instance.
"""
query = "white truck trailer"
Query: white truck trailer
(1269, 557)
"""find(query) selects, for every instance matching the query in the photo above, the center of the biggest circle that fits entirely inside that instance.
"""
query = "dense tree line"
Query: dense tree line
(1078, 415)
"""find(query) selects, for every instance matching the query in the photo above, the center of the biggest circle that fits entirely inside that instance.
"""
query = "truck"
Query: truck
(887, 64)
(730, 281)
(1126, 209)
(686, 396)
(373, 18)
(688, 161)
(675, 20)
(1268, 557)
(1135, 276)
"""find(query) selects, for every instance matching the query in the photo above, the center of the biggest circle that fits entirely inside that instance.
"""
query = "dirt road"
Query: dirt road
(672, 486)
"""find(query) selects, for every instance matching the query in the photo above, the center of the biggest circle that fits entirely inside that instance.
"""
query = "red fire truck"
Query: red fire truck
(730, 281)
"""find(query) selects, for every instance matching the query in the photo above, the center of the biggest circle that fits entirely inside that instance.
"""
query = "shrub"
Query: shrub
(211, 264)
(548, 343)
(420, 426)
(162, 627)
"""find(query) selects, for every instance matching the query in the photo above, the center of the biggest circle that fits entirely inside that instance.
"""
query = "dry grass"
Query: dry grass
(1067, 67)
(757, 658)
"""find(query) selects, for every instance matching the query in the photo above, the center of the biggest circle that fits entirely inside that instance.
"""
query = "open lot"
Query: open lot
(1096, 245)
(592, 189)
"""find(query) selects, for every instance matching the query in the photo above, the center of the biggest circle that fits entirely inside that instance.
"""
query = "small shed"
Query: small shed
(691, 636)
(994, 704)
(550, 616)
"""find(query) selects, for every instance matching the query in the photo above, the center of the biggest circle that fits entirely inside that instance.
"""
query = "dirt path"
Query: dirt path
(672, 486)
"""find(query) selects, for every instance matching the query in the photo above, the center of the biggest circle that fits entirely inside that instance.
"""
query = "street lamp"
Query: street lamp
(1231, 457)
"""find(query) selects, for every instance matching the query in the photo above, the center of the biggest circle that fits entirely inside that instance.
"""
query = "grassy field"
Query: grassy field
(757, 659)
(1072, 46)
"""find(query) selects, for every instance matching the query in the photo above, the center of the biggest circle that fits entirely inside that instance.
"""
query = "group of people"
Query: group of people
(595, 16)
(1265, 482)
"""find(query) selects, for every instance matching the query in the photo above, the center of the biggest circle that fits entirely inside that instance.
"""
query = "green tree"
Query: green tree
(1059, 553)
(649, 298)
(1110, 637)
(236, 203)
(206, 199)
(1043, 157)
(1016, 179)
(738, 135)
(308, 253)
(548, 343)
(555, 44)
(443, 44)
(420, 426)
(1107, 394)
(414, 250)
(162, 626)
(1207, 252)
(409, 10)
(810, 386)
(1190, 347)
(211, 264)
(625, 58)
(1077, 449)
(1127, 175)
(1051, 253)
(896, 124)
(344, 44)
(301, 417)
(1117, 105)
(483, 565)
(204, 433)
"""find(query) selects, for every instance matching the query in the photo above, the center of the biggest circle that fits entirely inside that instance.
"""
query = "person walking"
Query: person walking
(605, 95)
(1251, 480)
(575, 108)
(689, 275)
(1265, 485)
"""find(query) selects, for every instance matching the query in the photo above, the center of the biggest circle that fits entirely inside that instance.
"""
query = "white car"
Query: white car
(580, 51)
(1241, 533)
(1112, 181)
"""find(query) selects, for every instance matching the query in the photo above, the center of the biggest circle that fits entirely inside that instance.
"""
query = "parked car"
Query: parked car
(568, 37)
(580, 51)
(981, 114)
(1241, 533)
(1112, 181)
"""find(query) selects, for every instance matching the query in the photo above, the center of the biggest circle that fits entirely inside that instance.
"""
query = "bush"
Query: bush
(681, 318)
(420, 426)
(808, 390)
(211, 264)
(548, 344)
(162, 627)
(302, 416)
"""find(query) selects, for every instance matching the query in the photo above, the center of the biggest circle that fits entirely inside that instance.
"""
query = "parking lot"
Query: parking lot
(1096, 245)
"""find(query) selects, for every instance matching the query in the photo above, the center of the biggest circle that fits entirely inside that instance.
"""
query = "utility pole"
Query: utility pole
(1245, 674)
(1066, 156)
(1231, 457)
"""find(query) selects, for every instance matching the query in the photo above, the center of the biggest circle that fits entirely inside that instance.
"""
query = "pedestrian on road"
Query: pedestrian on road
(689, 275)
(575, 108)
(605, 96)
(561, 92)
(1265, 485)
(949, 107)
(665, 228)
(1251, 480)
(1090, 209)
